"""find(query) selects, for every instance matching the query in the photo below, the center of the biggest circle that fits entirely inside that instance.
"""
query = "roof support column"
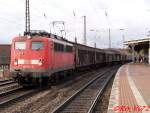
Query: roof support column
(133, 52)
(149, 52)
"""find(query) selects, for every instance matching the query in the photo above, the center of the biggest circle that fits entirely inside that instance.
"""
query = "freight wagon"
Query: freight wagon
(4, 60)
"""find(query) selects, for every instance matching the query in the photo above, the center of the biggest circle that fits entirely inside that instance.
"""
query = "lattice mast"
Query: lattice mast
(27, 15)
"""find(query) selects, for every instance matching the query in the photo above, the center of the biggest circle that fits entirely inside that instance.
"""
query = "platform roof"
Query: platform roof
(139, 44)
(139, 41)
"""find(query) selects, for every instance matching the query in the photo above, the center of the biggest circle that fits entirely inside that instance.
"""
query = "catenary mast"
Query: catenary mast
(27, 16)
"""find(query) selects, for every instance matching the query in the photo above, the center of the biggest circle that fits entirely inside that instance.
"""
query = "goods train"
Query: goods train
(39, 57)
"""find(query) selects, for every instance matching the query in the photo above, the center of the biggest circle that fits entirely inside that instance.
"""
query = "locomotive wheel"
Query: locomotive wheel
(21, 80)
(56, 78)
(44, 81)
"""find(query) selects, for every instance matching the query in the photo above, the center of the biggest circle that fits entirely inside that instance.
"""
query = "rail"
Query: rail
(77, 102)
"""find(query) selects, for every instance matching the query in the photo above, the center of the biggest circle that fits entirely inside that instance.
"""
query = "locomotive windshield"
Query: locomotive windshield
(20, 45)
(37, 45)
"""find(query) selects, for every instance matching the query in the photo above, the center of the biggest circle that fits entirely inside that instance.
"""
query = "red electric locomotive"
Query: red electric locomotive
(40, 57)
(35, 58)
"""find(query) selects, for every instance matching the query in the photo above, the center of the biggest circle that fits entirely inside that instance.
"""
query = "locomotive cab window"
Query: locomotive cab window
(20, 45)
(58, 47)
(37, 45)
(68, 48)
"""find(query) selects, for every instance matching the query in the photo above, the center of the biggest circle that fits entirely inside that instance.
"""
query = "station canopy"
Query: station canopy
(138, 44)
(139, 49)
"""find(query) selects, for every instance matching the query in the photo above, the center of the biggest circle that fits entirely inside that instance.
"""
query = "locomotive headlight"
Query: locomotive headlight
(15, 62)
(40, 62)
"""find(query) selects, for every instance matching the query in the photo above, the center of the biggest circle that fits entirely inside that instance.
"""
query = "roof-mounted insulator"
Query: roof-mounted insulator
(37, 32)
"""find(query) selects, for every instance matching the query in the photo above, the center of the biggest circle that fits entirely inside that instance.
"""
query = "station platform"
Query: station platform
(131, 90)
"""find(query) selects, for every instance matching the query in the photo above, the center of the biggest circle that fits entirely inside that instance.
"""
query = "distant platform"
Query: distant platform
(131, 90)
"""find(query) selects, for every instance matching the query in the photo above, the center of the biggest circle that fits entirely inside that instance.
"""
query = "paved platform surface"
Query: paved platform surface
(131, 90)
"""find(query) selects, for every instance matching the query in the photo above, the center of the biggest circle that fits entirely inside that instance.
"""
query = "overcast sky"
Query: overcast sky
(131, 15)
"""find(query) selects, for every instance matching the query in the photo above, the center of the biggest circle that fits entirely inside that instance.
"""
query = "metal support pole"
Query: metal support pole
(94, 45)
(84, 30)
(123, 40)
(75, 40)
(109, 38)
(27, 23)
(149, 52)
(133, 52)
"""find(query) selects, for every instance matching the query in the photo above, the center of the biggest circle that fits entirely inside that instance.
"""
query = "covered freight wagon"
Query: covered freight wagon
(5, 54)
(4, 59)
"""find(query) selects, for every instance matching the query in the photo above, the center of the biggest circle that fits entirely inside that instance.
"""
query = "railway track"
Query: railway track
(85, 99)
(13, 95)
(6, 82)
